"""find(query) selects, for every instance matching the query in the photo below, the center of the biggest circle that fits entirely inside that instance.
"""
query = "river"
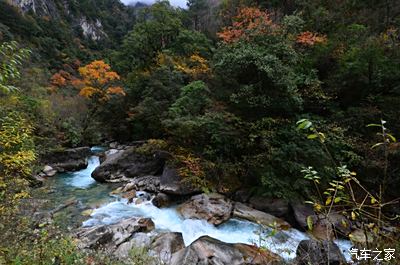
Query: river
(97, 206)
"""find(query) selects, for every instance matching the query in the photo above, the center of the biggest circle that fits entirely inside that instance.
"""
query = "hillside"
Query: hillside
(60, 30)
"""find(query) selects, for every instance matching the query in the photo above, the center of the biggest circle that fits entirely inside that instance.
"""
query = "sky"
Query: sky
(180, 3)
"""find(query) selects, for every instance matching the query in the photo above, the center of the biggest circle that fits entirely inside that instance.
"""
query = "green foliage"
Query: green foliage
(11, 57)
(157, 27)
(261, 77)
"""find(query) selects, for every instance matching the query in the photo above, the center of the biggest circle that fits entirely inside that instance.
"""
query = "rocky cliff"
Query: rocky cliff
(91, 27)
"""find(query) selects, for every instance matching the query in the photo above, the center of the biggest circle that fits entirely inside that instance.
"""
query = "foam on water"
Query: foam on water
(82, 179)
(233, 231)
(283, 243)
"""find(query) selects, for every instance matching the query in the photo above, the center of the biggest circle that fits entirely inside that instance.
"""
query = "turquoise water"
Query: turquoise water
(96, 206)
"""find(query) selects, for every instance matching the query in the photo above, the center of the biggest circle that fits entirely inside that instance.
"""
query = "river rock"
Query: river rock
(127, 164)
(49, 171)
(319, 253)
(138, 240)
(214, 208)
(161, 200)
(171, 183)
(130, 195)
(256, 256)
(111, 236)
(301, 212)
(274, 206)
(245, 212)
(146, 183)
(68, 159)
(210, 251)
(166, 244)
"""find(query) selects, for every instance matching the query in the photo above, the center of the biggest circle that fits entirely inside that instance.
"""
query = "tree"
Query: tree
(157, 27)
(98, 85)
(250, 21)
(97, 82)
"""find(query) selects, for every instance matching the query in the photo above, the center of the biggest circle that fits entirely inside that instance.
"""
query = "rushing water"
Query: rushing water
(109, 209)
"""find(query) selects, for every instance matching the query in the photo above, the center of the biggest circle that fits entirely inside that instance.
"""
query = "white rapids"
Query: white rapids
(82, 179)
(283, 243)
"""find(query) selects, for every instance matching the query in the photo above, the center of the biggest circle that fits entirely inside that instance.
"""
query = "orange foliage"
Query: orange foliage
(96, 82)
(97, 72)
(310, 39)
(57, 80)
(250, 21)
(116, 90)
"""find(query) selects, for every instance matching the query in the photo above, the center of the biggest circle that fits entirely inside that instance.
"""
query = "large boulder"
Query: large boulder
(49, 171)
(213, 207)
(301, 212)
(172, 183)
(274, 206)
(210, 251)
(67, 159)
(146, 183)
(245, 212)
(138, 240)
(319, 253)
(162, 200)
(111, 236)
(125, 164)
(166, 244)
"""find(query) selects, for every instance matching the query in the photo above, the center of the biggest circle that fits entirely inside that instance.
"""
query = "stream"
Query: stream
(96, 206)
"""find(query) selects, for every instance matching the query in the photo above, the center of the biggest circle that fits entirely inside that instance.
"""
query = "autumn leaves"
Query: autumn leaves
(97, 81)
(251, 22)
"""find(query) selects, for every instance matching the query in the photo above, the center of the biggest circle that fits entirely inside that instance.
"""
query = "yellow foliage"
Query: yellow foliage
(16, 158)
(88, 91)
(96, 82)
(194, 66)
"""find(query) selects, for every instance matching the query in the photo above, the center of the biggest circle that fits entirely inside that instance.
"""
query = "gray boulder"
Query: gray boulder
(125, 164)
(242, 211)
(210, 251)
(161, 200)
(319, 253)
(166, 244)
(112, 236)
(214, 208)
(138, 240)
(68, 159)
(274, 206)
(49, 171)
(301, 212)
(172, 183)
(146, 183)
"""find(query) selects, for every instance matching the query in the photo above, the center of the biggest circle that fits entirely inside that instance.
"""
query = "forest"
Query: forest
(269, 105)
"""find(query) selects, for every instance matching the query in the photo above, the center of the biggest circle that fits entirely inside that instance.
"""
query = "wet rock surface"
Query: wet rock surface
(213, 207)
(111, 236)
